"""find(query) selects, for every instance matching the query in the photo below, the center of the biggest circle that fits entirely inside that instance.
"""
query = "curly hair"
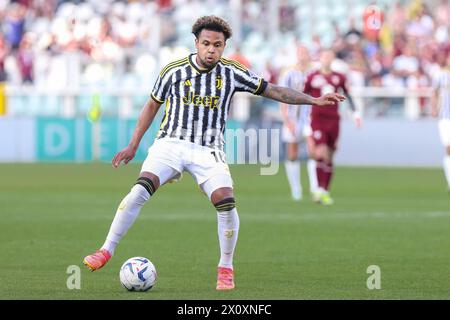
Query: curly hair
(212, 23)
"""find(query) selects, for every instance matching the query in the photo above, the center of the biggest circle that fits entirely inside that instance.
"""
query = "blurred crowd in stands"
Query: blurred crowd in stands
(123, 43)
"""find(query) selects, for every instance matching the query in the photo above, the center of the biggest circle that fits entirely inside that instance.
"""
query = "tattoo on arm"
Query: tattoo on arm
(286, 95)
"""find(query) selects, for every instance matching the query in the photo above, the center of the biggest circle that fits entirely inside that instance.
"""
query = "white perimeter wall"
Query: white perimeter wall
(17, 139)
(384, 142)
(390, 142)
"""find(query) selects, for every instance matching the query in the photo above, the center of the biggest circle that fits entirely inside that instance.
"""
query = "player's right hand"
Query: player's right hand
(329, 99)
(126, 155)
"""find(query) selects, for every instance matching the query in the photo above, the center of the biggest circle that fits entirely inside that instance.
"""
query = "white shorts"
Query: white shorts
(300, 132)
(168, 157)
(444, 131)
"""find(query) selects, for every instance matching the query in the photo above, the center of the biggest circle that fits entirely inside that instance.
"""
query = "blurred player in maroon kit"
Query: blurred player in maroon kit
(325, 121)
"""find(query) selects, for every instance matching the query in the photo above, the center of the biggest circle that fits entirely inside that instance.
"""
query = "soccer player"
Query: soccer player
(297, 126)
(197, 91)
(325, 121)
(440, 106)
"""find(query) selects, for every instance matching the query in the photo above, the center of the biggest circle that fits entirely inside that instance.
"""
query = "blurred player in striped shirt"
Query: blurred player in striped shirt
(440, 106)
(297, 126)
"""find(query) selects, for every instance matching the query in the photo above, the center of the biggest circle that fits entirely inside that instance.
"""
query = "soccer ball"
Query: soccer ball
(138, 274)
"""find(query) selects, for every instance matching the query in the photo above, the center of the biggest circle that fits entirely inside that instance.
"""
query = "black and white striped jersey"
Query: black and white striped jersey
(198, 101)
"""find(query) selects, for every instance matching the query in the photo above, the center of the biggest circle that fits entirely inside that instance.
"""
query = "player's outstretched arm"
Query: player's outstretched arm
(290, 96)
(145, 120)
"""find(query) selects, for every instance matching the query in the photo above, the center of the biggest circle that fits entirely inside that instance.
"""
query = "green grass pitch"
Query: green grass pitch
(52, 215)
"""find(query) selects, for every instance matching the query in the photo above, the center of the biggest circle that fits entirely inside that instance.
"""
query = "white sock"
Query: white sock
(447, 168)
(312, 175)
(125, 216)
(228, 229)
(293, 175)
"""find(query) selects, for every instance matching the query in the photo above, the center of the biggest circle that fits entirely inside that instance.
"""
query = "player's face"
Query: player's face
(210, 46)
(303, 55)
(326, 58)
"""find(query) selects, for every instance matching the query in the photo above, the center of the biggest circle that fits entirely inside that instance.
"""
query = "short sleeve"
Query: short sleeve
(246, 80)
(161, 88)
(307, 88)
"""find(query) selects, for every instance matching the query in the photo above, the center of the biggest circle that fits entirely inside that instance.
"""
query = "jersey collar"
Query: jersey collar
(196, 67)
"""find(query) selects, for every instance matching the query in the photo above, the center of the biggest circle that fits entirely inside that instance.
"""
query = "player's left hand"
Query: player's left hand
(329, 98)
